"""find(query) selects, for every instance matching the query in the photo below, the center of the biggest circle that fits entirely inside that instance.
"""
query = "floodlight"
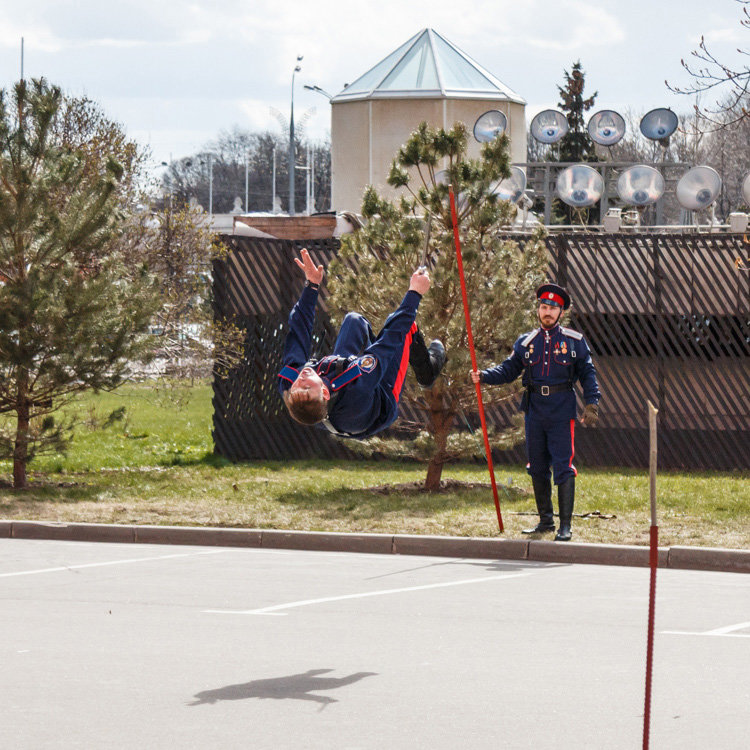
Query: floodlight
(511, 188)
(746, 189)
(549, 126)
(580, 185)
(606, 127)
(490, 125)
(640, 185)
(658, 124)
(698, 188)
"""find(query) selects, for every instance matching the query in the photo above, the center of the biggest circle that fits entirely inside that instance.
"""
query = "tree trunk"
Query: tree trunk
(21, 447)
(441, 422)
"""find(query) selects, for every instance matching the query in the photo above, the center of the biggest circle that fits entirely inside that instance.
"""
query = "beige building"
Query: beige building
(426, 78)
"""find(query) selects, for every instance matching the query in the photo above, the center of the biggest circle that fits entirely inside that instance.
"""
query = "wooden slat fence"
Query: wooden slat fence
(667, 317)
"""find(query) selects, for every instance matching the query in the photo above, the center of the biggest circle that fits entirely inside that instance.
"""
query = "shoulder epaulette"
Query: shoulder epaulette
(289, 373)
(529, 337)
(571, 333)
(351, 373)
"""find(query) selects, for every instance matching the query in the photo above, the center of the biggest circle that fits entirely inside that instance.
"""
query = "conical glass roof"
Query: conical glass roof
(427, 65)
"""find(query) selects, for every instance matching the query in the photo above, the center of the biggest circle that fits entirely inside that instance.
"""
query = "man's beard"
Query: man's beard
(551, 325)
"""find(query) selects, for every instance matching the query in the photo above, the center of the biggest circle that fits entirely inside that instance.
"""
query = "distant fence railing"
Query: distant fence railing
(667, 318)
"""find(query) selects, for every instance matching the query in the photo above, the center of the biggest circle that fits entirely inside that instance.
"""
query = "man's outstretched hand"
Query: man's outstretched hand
(314, 274)
(420, 281)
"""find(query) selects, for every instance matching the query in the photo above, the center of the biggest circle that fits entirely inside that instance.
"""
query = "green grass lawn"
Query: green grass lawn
(155, 466)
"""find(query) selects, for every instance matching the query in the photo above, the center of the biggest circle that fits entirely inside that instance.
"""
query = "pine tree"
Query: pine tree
(372, 270)
(576, 145)
(71, 310)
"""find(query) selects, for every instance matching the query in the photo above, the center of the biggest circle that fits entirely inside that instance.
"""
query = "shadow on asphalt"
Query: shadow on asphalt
(299, 687)
(492, 566)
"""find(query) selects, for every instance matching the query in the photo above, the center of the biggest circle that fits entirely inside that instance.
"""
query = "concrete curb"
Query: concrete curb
(686, 558)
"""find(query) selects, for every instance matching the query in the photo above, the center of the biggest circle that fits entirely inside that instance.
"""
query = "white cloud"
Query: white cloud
(38, 37)
(575, 26)
(194, 67)
(732, 35)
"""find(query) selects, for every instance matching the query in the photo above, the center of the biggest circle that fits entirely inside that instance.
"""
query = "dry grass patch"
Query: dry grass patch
(612, 506)
(154, 466)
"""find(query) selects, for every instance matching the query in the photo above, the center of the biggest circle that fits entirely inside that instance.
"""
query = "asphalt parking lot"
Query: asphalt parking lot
(145, 645)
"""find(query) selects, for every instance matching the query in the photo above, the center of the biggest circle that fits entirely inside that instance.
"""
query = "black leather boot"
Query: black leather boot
(427, 362)
(566, 493)
(543, 497)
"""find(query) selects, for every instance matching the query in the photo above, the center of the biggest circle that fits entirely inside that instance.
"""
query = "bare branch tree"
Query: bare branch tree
(711, 75)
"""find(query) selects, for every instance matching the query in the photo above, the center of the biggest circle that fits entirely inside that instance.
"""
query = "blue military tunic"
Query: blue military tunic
(364, 373)
(551, 361)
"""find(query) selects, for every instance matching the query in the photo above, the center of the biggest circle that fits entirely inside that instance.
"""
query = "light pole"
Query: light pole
(273, 182)
(247, 170)
(328, 96)
(297, 69)
(210, 184)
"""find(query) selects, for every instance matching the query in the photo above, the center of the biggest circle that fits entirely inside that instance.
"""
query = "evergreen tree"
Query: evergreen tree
(71, 309)
(373, 267)
(576, 145)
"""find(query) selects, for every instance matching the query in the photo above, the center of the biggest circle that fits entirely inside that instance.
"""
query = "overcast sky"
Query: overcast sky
(176, 74)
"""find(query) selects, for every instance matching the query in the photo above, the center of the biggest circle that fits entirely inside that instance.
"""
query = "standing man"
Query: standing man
(354, 392)
(552, 359)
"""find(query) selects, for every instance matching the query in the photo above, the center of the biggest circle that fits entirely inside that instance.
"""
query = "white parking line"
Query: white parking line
(110, 562)
(384, 592)
(728, 631)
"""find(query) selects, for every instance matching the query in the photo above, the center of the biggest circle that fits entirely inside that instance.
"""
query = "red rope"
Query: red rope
(459, 259)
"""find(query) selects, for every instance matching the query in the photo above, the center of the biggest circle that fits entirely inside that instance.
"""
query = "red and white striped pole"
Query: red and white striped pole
(653, 563)
(459, 259)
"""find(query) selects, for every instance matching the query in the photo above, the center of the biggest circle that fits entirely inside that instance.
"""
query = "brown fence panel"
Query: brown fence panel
(255, 286)
(667, 318)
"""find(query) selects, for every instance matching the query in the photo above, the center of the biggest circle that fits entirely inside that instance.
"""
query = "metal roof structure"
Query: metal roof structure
(428, 66)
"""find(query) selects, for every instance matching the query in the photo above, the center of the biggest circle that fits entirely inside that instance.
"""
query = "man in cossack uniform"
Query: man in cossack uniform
(354, 392)
(552, 359)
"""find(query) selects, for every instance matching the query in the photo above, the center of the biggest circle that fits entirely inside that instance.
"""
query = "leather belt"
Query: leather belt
(548, 390)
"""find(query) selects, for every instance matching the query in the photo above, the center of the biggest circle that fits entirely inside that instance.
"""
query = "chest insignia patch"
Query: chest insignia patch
(367, 363)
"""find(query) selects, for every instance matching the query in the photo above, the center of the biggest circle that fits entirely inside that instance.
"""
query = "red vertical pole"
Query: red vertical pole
(487, 449)
(653, 562)
(653, 559)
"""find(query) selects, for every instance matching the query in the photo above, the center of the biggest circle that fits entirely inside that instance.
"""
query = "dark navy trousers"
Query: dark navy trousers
(355, 335)
(550, 442)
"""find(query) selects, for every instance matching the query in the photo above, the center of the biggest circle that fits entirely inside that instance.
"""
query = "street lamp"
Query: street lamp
(297, 69)
(328, 96)
(319, 90)
(210, 185)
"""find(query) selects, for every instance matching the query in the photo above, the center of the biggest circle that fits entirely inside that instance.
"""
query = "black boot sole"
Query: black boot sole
(537, 530)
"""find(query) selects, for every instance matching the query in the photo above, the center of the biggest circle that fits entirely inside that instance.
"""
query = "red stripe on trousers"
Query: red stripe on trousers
(404, 362)
(572, 444)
